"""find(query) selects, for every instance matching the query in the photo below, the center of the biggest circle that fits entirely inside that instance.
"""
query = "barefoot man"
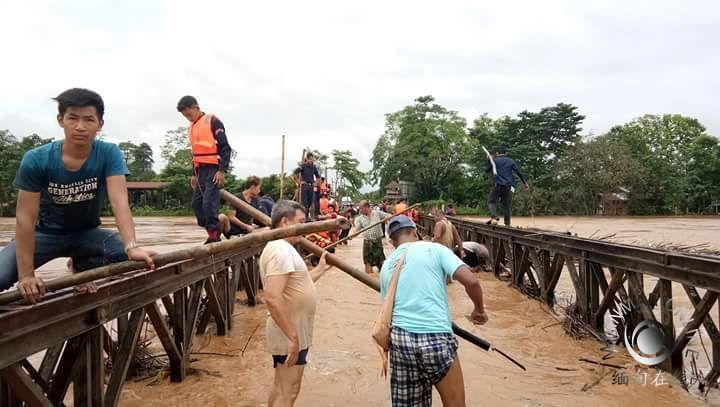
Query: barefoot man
(289, 291)
(61, 189)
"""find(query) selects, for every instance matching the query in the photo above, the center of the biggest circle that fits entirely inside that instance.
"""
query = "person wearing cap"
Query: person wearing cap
(423, 349)
(477, 256)
(503, 184)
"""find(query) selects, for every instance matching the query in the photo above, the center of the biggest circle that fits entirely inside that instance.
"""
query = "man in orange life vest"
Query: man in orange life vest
(211, 157)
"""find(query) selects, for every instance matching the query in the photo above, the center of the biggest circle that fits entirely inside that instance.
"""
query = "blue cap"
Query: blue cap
(400, 222)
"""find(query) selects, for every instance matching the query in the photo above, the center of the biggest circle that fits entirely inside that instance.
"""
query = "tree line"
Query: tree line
(340, 165)
(662, 164)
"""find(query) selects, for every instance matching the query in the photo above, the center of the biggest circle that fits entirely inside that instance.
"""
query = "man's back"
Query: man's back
(505, 167)
(421, 299)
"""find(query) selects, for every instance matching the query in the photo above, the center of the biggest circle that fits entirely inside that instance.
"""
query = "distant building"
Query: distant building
(614, 203)
(147, 193)
(397, 190)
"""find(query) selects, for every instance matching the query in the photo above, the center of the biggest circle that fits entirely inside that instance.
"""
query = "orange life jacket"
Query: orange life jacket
(400, 208)
(202, 142)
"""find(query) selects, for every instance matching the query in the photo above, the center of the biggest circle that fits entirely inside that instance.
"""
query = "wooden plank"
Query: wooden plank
(169, 308)
(179, 329)
(81, 378)
(608, 300)
(540, 270)
(637, 295)
(35, 375)
(556, 269)
(222, 280)
(163, 333)
(50, 360)
(126, 354)
(666, 316)
(654, 296)
(192, 316)
(701, 310)
(247, 281)
(575, 279)
(592, 291)
(67, 366)
(215, 307)
(23, 387)
(97, 367)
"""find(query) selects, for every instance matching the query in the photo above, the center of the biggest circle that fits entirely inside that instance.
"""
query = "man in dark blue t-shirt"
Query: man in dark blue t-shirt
(61, 188)
(309, 176)
(503, 184)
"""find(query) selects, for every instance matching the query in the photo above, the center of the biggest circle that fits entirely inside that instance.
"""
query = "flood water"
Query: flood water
(344, 367)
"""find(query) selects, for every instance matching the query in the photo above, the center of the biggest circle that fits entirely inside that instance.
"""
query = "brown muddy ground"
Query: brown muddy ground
(344, 366)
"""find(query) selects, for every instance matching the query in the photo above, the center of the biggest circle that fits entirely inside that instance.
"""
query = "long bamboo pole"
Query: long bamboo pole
(361, 276)
(254, 239)
(282, 168)
(365, 229)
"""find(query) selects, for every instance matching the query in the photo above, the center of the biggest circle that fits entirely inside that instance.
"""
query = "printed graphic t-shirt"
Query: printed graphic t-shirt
(70, 201)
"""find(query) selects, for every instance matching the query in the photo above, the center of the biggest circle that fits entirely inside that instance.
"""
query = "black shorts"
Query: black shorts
(280, 359)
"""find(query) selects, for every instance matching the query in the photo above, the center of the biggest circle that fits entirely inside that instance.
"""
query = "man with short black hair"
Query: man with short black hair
(237, 222)
(309, 176)
(61, 189)
(373, 252)
(289, 292)
(211, 158)
(503, 184)
(423, 349)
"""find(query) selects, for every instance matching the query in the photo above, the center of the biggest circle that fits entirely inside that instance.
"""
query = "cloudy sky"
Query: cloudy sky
(325, 73)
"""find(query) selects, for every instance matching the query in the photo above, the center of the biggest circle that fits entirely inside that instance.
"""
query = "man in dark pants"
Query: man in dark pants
(211, 157)
(503, 184)
(309, 175)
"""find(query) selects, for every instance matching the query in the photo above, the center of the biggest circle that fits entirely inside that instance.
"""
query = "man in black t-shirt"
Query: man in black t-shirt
(309, 176)
(237, 222)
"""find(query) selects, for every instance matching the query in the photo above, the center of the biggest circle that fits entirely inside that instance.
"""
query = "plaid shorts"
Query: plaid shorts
(417, 363)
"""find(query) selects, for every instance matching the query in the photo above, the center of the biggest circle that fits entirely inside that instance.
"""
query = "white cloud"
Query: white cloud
(325, 73)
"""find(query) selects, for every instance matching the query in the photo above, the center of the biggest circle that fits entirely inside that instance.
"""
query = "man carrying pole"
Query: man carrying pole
(373, 254)
(503, 168)
(211, 158)
(423, 350)
(61, 189)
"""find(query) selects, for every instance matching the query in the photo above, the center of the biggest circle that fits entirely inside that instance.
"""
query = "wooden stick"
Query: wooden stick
(365, 229)
(282, 168)
(359, 275)
(257, 238)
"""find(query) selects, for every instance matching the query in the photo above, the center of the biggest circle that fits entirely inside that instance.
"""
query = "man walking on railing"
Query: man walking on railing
(503, 184)
(61, 189)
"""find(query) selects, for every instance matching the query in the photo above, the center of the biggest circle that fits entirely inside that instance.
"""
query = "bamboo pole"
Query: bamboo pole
(359, 275)
(254, 239)
(365, 229)
(282, 168)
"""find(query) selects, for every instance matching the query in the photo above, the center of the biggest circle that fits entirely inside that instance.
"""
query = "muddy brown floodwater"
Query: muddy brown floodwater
(344, 367)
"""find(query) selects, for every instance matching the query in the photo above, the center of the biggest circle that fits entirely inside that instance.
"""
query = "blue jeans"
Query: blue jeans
(88, 249)
(308, 197)
(206, 198)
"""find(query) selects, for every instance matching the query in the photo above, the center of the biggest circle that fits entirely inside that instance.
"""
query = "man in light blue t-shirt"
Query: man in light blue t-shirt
(423, 350)
(61, 189)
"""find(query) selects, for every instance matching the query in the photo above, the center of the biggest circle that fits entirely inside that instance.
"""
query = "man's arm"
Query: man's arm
(233, 218)
(117, 193)
(516, 170)
(321, 268)
(438, 232)
(224, 150)
(473, 289)
(28, 205)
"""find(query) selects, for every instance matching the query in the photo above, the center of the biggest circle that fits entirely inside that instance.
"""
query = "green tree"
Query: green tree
(703, 173)
(663, 145)
(11, 153)
(348, 178)
(423, 143)
(178, 168)
(536, 140)
(593, 168)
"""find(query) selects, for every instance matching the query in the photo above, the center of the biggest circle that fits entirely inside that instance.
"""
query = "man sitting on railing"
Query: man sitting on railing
(61, 189)
(237, 222)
